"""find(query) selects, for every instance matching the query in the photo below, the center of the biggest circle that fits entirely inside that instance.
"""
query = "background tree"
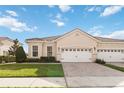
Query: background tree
(13, 48)
(20, 54)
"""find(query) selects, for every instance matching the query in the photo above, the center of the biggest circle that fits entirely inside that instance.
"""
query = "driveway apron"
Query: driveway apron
(91, 75)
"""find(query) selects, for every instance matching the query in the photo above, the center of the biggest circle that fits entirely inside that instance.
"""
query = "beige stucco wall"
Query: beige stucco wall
(75, 40)
(49, 43)
(30, 45)
(42, 48)
(111, 45)
(4, 46)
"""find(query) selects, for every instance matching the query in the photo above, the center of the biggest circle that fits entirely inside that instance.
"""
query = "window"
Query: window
(35, 51)
(115, 50)
(90, 50)
(78, 49)
(104, 50)
(66, 49)
(81, 49)
(49, 51)
(62, 49)
(5, 53)
(70, 49)
(122, 50)
(97, 50)
(74, 49)
(101, 50)
(111, 50)
(58, 49)
(85, 49)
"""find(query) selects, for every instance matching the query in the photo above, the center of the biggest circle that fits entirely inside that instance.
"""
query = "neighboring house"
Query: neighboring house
(77, 46)
(5, 44)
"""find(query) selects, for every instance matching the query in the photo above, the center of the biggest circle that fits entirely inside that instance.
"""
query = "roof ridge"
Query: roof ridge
(108, 38)
(103, 39)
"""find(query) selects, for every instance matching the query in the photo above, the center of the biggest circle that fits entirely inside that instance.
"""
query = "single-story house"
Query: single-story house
(77, 46)
(5, 44)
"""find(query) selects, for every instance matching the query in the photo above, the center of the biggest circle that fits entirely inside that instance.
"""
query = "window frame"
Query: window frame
(35, 51)
(49, 52)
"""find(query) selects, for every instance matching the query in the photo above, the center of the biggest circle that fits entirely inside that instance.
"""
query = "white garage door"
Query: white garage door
(76, 55)
(111, 55)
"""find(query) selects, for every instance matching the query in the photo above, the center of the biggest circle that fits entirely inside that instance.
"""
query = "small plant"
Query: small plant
(99, 61)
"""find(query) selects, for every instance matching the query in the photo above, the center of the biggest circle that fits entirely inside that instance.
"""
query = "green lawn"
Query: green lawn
(31, 70)
(115, 67)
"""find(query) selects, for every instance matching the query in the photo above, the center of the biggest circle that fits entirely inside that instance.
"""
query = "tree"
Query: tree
(20, 54)
(13, 48)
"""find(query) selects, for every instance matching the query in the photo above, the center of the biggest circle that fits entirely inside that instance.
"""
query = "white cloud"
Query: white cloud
(58, 23)
(59, 20)
(95, 30)
(15, 25)
(111, 10)
(116, 34)
(91, 9)
(24, 9)
(12, 13)
(51, 6)
(65, 8)
(59, 16)
(94, 8)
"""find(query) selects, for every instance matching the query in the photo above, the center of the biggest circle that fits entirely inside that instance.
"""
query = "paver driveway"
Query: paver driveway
(92, 75)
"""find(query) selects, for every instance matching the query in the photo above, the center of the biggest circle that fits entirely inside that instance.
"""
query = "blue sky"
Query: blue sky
(24, 22)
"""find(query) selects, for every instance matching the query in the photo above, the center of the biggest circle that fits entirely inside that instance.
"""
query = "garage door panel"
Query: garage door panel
(76, 56)
(111, 56)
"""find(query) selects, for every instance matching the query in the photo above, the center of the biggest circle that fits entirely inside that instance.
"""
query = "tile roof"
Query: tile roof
(45, 38)
(5, 38)
(108, 39)
(55, 37)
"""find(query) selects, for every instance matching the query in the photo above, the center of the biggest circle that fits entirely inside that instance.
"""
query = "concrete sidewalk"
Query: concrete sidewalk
(33, 82)
(72, 82)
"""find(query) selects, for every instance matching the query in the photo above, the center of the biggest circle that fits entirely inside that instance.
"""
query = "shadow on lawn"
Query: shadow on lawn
(44, 70)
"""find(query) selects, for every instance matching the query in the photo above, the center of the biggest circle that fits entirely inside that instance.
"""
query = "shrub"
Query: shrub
(7, 59)
(48, 59)
(1, 58)
(20, 54)
(99, 61)
(32, 60)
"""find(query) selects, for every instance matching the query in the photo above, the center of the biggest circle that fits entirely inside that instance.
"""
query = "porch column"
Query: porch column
(94, 54)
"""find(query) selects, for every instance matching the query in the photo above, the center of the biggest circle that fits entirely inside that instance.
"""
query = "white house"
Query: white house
(77, 46)
(5, 44)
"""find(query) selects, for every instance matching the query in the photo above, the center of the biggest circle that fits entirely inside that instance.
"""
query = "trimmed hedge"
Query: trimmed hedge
(1, 59)
(7, 59)
(42, 60)
(32, 60)
(99, 61)
(47, 59)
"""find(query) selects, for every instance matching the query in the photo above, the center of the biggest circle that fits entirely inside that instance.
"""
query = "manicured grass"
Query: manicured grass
(31, 70)
(115, 67)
